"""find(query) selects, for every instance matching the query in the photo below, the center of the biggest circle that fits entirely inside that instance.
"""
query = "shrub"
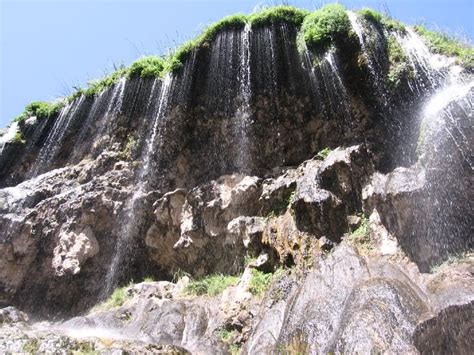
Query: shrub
(150, 66)
(276, 14)
(212, 285)
(324, 26)
(370, 15)
(444, 44)
(41, 110)
(259, 282)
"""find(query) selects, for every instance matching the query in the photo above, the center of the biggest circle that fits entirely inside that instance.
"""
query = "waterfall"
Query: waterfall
(124, 243)
(55, 136)
(370, 55)
(8, 135)
(243, 114)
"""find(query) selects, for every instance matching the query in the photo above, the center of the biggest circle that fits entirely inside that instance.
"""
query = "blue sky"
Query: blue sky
(47, 47)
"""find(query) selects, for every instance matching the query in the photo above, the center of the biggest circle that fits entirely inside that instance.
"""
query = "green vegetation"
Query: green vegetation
(385, 21)
(361, 237)
(400, 69)
(31, 346)
(211, 285)
(41, 110)
(127, 152)
(452, 260)
(323, 27)
(323, 154)
(274, 14)
(117, 299)
(236, 21)
(97, 86)
(145, 67)
(19, 138)
(259, 282)
(444, 44)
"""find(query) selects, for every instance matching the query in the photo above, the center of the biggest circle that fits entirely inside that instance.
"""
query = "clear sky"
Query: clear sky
(47, 47)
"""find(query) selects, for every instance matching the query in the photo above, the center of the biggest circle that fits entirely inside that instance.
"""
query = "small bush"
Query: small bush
(277, 14)
(400, 69)
(259, 282)
(150, 66)
(444, 44)
(325, 26)
(212, 285)
(41, 110)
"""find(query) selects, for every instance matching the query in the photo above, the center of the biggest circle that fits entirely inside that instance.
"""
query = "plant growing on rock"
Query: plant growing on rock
(211, 285)
(145, 67)
(382, 20)
(360, 238)
(117, 299)
(443, 43)
(19, 138)
(259, 282)
(323, 27)
(40, 109)
(274, 14)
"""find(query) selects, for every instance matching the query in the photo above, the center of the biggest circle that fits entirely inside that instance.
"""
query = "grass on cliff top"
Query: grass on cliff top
(275, 14)
(323, 27)
(211, 285)
(41, 110)
(445, 44)
(383, 20)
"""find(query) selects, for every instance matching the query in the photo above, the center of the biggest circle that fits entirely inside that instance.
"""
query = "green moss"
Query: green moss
(212, 285)
(324, 26)
(444, 44)
(150, 66)
(275, 14)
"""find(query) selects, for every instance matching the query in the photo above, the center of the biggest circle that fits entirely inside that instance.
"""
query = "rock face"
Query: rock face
(207, 173)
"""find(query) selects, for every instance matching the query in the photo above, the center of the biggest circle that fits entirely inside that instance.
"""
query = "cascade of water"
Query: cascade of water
(432, 66)
(334, 85)
(124, 242)
(8, 135)
(243, 112)
(375, 69)
(55, 137)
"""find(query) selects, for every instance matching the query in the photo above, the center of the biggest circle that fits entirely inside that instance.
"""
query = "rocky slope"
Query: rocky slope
(219, 168)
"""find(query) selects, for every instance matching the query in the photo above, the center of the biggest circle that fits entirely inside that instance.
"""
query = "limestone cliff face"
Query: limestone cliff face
(223, 162)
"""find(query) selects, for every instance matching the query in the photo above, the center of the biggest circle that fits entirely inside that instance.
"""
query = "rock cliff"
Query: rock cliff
(265, 196)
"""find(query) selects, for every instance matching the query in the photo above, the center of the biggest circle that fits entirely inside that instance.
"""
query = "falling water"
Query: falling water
(8, 135)
(124, 243)
(243, 112)
(375, 69)
(55, 137)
